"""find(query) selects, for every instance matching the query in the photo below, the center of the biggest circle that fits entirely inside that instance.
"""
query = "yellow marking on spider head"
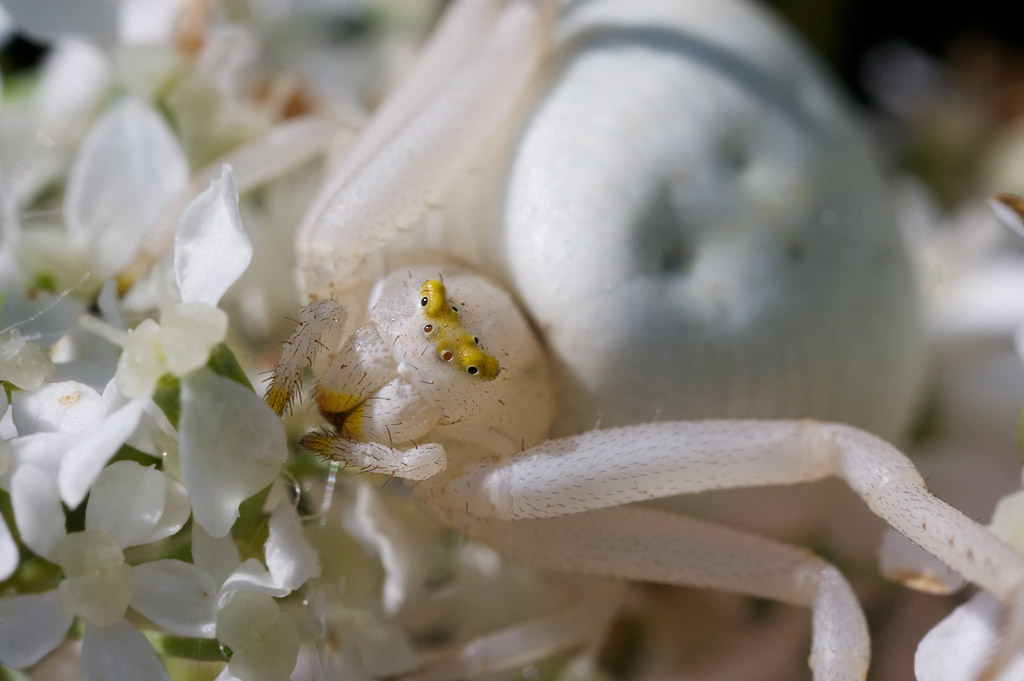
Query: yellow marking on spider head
(444, 329)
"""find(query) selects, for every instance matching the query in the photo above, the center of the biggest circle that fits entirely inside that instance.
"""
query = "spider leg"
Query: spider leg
(646, 544)
(425, 141)
(417, 462)
(320, 327)
(604, 468)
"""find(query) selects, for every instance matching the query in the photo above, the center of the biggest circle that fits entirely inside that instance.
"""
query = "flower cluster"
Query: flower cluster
(176, 432)
(144, 516)
(152, 523)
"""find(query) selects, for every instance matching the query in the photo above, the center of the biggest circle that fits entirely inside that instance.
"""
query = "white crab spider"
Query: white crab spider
(479, 449)
(479, 452)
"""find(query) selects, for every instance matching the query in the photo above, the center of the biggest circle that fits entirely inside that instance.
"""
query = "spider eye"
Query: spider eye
(424, 300)
(455, 308)
(473, 371)
(447, 355)
(476, 340)
(428, 328)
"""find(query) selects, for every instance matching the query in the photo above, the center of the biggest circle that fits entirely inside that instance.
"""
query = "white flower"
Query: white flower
(230, 443)
(70, 431)
(128, 167)
(23, 364)
(129, 505)
(211, 250)
(960, 646)
(264, 640)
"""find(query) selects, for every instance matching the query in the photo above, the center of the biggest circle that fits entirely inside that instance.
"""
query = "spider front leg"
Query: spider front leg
(645, 544)
(600, 469)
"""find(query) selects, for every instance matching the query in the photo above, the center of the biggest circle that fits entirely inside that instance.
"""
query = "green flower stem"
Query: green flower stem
(187, 647)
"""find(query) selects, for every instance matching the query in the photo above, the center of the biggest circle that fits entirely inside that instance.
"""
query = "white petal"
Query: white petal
(126, 502)
(68, 406)
(49, 20)
(188, 331)
(211, 249)
(178, 596)
(290, 558)
(39, 140)
(8, 551)
(231, 446)
(119, 653)
(145, 22)
(37, 510)
(958, 648)
(250, 576)
(23, 363)
(176, 512)
(87, 552)
(42, 450)
(97, 584)
(272, 656)
(128, 167)
(93, 449)
(30, 627)
(217, 557)
(75, 79)
(141, 364)
(264, 640)
(100, 597)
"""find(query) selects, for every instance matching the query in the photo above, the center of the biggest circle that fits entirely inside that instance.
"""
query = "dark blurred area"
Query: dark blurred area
(942, 87)
(844, 31)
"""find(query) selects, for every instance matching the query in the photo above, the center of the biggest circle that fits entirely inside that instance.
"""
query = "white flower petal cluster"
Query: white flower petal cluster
(263, 639)
(119, 126)
(129, 505)
(70, 431)
(61, 436)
